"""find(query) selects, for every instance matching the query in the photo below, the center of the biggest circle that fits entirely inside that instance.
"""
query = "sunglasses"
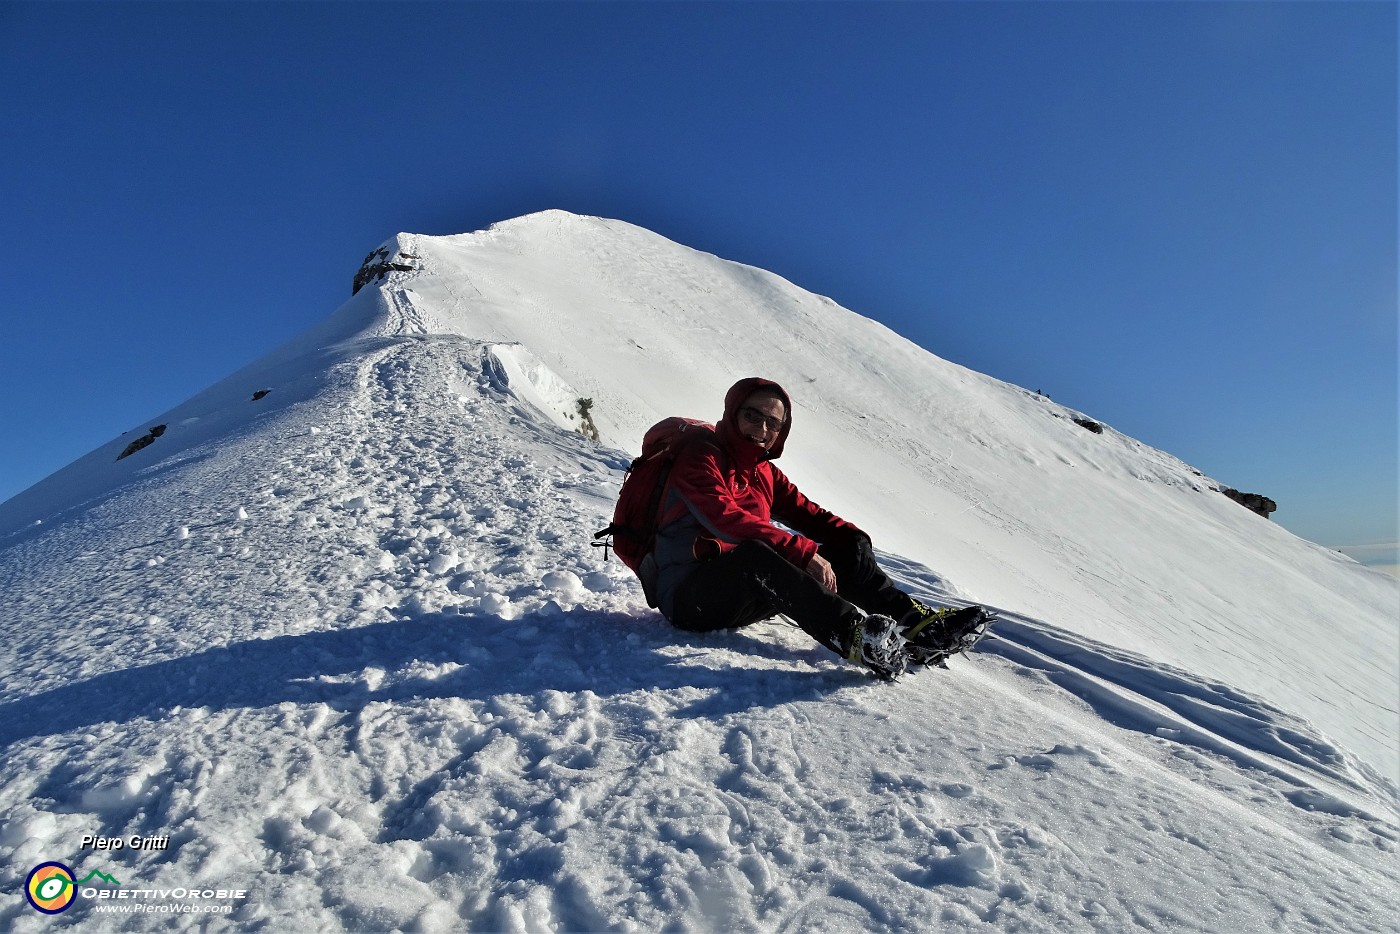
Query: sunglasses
(754, 417)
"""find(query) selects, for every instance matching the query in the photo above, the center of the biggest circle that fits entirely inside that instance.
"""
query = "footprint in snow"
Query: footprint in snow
(1310, 799)
(969, 865)
(598, 582)
(1054, 759)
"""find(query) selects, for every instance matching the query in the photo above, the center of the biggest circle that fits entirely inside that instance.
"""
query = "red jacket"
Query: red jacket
(727, 491)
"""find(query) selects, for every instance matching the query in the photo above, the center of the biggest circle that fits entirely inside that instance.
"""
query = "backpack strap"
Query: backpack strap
(603, 539)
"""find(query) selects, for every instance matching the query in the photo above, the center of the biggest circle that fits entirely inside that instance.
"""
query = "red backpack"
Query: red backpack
(633, 531)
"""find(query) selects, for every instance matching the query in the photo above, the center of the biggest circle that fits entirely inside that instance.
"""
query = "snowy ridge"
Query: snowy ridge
(995, 486)
(348, 646)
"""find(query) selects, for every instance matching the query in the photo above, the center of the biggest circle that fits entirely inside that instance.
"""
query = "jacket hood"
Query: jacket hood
(734, 400)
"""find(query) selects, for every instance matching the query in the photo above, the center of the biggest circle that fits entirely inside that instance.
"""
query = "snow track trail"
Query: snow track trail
(351, 651)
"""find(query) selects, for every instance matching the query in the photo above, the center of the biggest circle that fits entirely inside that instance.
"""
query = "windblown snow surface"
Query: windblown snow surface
(348, 648)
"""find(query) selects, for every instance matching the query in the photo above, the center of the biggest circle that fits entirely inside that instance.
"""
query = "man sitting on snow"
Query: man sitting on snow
(721, 563)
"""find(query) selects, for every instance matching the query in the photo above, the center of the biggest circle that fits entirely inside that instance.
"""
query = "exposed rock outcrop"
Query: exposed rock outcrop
(377, 265)
(142, 441)
(1252, 501)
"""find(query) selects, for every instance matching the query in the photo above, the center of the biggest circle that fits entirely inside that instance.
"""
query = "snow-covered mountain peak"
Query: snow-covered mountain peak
(348, 591)
(552, 220)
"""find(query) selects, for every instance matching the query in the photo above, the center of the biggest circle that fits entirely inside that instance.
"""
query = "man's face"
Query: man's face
(761, 419)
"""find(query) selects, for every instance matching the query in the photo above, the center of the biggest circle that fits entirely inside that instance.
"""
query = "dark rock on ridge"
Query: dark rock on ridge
(377, 265)
(142, 441)
(1252, 501)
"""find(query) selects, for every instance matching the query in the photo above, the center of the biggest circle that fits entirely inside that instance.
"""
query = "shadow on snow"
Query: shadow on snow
(606, 653)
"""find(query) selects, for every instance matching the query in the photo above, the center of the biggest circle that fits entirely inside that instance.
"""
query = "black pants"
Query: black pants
(753, 582)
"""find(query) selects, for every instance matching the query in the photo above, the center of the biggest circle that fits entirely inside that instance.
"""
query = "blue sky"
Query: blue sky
(1177, 217)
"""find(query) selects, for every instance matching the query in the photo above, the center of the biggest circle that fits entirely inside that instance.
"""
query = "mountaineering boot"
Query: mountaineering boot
(933, 635)
(875, 642)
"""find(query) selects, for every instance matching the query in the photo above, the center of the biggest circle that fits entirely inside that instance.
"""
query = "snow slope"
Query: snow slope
(348, 647)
